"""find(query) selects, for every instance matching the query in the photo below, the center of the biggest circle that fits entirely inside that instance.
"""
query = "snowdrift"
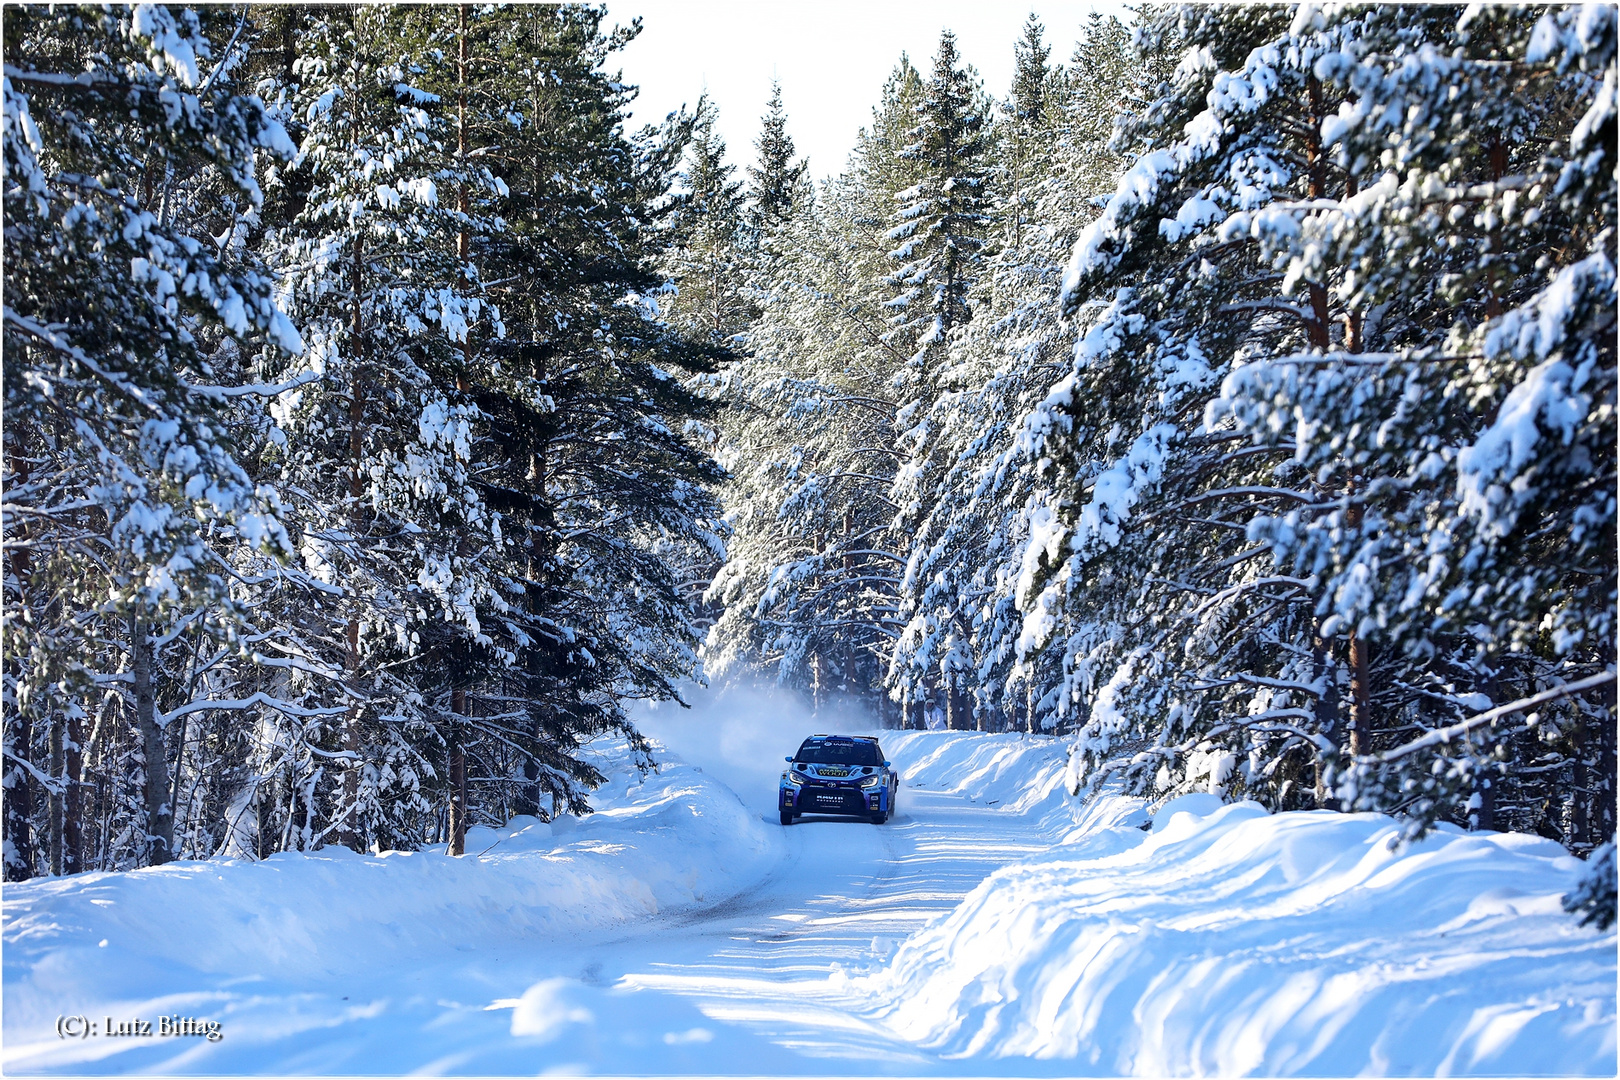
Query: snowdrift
(1230, 941)
(1017, 775)
(232, 935)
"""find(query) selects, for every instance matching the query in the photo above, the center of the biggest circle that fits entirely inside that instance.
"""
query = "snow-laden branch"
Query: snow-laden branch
(1242, 679)
(871, 551)
(49, 783)
(1446, 734)
(1267, 492)
(254, 389)
(234, 704)
(1302, 584)
(60, 344)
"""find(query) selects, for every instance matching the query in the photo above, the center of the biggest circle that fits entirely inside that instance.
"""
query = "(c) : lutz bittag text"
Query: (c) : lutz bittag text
(82, 1027)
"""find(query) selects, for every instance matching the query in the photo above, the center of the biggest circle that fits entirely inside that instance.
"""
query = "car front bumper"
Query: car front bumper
(833, 799)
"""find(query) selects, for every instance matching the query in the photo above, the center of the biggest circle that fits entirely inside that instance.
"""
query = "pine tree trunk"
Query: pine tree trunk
(1327, 716)
(1485, 816)
(458, 776)
(815, 684)
(1360, 698)
(1497, 155)
(179, 770)
(159, 817)
(73, 819)
(58, 772)
(348, 834)
(1601, 779)
(849, 685)
(1316, 170)
(17, 807)
(1580, 828)
(458, 697)
(1360, 685)
(1018, 187)
(529, 802)
(1353, 320)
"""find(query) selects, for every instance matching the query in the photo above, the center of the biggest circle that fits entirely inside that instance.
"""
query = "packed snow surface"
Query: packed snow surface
(994, 927)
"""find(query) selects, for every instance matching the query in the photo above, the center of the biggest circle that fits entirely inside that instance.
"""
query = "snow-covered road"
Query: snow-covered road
(842, 898)
(732, 984)
(994, 927)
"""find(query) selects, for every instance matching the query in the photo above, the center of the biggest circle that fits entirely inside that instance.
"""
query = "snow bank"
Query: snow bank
(1233, 941)
(1014, 774)
(116, 944)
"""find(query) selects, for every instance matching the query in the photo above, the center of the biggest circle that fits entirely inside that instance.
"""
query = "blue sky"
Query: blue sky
(832, 58)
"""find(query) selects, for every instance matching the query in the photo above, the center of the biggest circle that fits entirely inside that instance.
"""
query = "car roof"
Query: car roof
(844, 738)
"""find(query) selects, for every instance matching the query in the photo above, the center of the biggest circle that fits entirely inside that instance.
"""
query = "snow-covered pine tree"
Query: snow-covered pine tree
(122, 485)
(708, 263)
(583, 442)
(941, 230)
(941, 222)
(966, 553)
(1028, 118)
(777, 192)
(773, 180)
(1260, 580)
(377, 452)
(1463, 613)
(808, 586)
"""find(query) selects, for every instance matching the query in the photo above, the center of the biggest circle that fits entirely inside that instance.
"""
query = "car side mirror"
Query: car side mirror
(788, 759)
(886, 764)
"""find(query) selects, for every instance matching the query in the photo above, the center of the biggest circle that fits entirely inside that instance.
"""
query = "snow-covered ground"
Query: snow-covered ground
(1230, 941)
(993, 928)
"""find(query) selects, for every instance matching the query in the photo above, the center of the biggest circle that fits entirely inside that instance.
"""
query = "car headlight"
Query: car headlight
(872, 781)
(795, 778)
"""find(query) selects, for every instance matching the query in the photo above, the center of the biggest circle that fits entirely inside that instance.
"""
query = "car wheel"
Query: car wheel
(787, 817)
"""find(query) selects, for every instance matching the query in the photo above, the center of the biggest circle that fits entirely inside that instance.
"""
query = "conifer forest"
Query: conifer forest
(1231, 399)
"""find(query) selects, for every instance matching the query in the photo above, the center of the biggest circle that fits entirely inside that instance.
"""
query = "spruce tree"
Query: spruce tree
(941, 221)
(810, 577)
(707, 264)
(773, 179)
(965, 553)
(584, 411)
(941, 229)
(1027, 106)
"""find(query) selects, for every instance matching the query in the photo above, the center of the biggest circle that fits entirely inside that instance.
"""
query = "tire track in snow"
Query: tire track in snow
(843, 897)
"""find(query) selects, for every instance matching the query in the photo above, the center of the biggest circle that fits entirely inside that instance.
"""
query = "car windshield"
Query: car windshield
(839, 753)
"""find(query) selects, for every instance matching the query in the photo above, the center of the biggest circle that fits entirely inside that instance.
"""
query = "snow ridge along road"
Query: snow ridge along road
(994, 927)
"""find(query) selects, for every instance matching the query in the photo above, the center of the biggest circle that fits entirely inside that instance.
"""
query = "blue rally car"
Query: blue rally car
(838, 774)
